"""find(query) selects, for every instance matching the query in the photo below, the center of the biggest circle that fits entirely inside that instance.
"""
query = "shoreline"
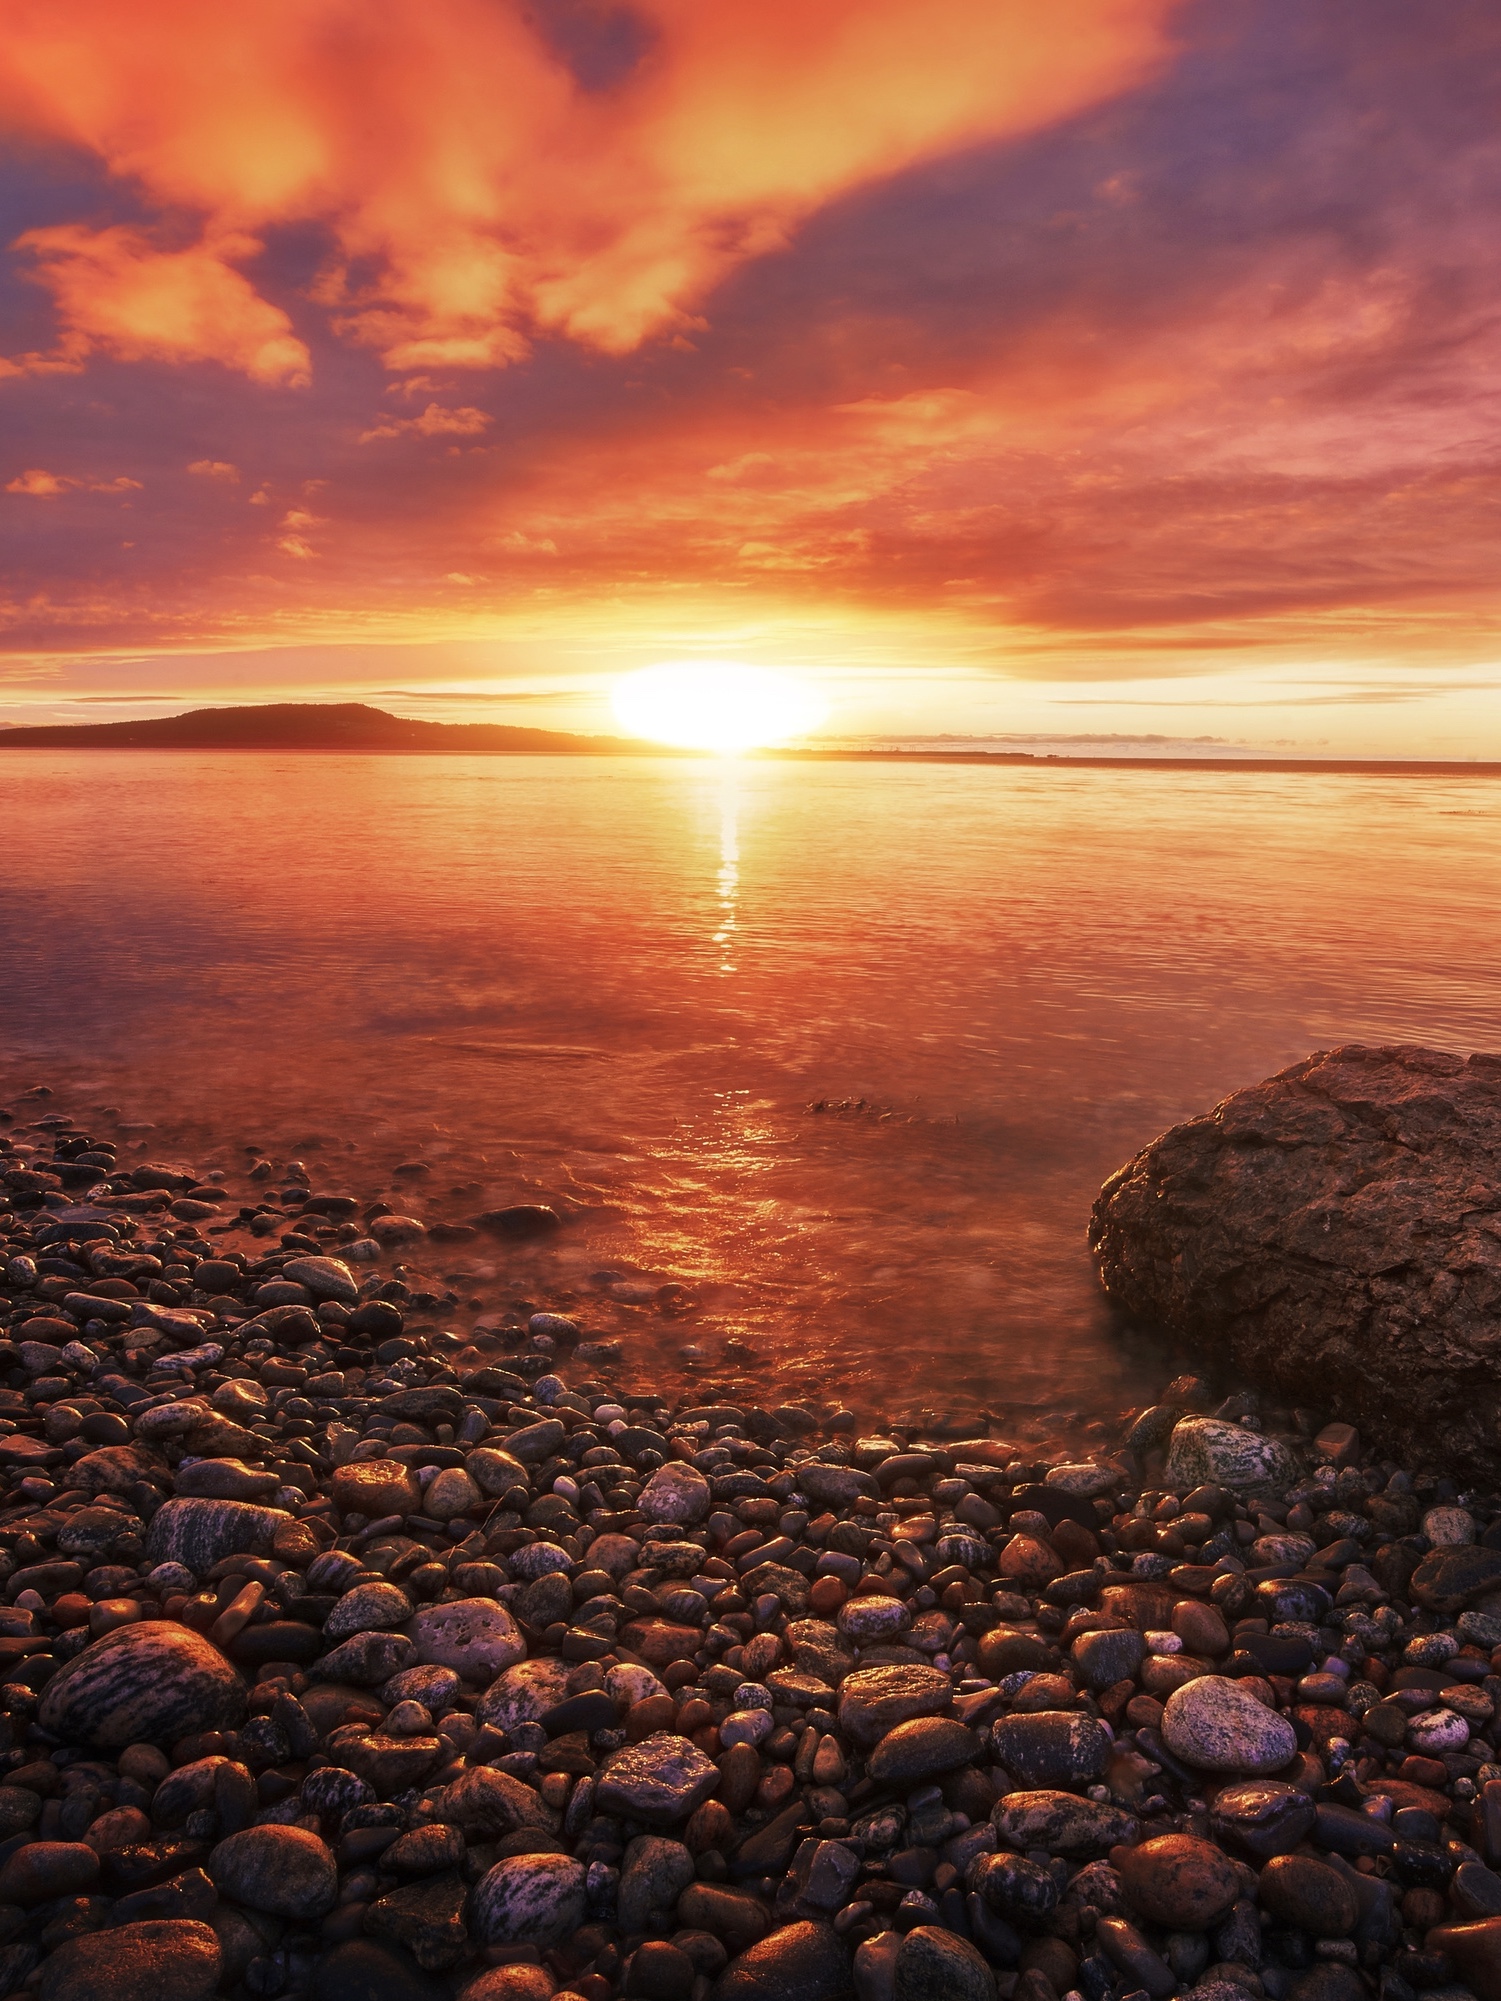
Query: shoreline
(337, 1654)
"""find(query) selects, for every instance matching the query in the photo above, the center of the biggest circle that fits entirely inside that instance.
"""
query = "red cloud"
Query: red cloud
(474, 192)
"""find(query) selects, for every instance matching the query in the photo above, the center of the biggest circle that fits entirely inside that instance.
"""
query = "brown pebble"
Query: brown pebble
(1178, 1880)
(1201, 1628)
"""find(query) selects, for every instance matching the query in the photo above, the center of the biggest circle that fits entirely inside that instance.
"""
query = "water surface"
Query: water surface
(628, 987)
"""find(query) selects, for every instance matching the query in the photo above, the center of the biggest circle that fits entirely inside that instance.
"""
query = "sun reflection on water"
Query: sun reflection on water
(728, 884)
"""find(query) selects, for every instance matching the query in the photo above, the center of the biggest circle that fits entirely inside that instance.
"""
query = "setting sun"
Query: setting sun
(716, 705)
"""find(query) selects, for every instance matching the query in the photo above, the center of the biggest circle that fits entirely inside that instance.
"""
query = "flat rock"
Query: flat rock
(1052, 1747)
(1302, 1230)
(660, 1780)
(199, 1532)
(874, 1700)
(476, 1637)
(148, 1683)
(925, 1748)
(538, 1899)
(162, 1959)
(325, 1278)
(1062, 1823)
(283, 1871)
(1216, 1725)
(376, 1487)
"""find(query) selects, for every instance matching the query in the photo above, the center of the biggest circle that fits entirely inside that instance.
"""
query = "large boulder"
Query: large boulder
(1335, 1234)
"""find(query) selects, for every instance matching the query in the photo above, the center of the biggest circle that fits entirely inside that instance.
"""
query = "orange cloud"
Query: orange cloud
(474, 192)
(435, 422)
(219, 469)
(117, 292)
(36, 484)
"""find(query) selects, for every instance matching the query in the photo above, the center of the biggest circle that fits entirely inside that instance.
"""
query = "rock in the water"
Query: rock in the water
(1179, 1881)
(935, 1965)
(475, 1637)
(1301, 1230)
(198, 1532)
(1057, 1747)
(538, 1899)
(801, 1962)
(1203, 1451)
(1216, 1725)
(161, 1959)
(660, 1780)
(1062, 1823)
(284, 1871)
(148, 1683)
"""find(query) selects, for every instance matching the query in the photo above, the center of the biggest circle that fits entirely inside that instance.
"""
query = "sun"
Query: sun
(715, 705)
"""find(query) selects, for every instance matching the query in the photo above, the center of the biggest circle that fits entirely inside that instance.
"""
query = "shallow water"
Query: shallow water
(625, 986)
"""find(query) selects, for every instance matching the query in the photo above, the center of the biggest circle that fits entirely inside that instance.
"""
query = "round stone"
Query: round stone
(495, 1472)
(801, 1962)
(476, 1637)
(1263, 1817)
(874, 1700)
(162, 1959)
(41, 1870)
(520, 1982)
(935, 1965)
(871, 1618)
(284, 1871)
(925, 1748)
(1309, 1895)
(1178, 1881)
(677, 1493)
(450, 1494)
(660, 1780)
(1057, 1747)
(376, 1487)
(1106, 1658)
(536, 1899)
(152, 1682)
(1217, 1725)
(1205, 1451)
(198, 1532)
(369, 1608)
(325, 1278)
(523, 1694)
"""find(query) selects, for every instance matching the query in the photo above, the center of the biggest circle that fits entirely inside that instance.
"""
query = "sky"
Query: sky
(1120, 371)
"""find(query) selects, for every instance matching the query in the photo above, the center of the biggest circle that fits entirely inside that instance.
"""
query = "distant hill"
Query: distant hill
(325, 726)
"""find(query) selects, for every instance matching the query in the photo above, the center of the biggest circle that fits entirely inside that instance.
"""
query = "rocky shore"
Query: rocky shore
(339, 1662)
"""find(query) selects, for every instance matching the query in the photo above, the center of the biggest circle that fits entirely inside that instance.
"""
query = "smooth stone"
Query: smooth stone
(517, 1982)
(872, 1617)
(1106, 1658)
(198, 1532)
(1475, 1950)
(367, 1659)
(495, 1472)
(486, 1804)
(151, 1682)
(476, 1637)
(1084, 1479)
(426, 1917)
(389, 1763)
(285, 1872)
(675, 1492)
(369, 1608)
(449, 1494)
(1310, 1895)
(523, 1694)
(325, 1278)
(424, 1403)
(1215, 1725)
(936, 1965)
(376, 1487)
(1062, 1823)
(538, 1899)
(1204, 1451)
(535, 1442)
(874, 1700)
(653, 1875)
(42, 1870)
(800, 1962)
(924, 1748)
(1057, 1747)
(660, 1780)
(1178, 1881)
(1263, 1817)
(835, 1486)
(362, 1970)
(224, 1480)
(160, 1959)
(1447, 1579)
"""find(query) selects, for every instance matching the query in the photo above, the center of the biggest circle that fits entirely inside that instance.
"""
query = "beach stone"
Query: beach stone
(1475, 1950)
(283, 1871)
(660, 1780)
(1062, 1823)
(367, 1659)
(376, 1487)
(361, 1969)
(535, 1442)
(325, 1278)
(523, 1694)
(1106, 1658)
(485, 1804)
(1448, 1579)
(800, 1962)
(835, 1486)
(536, 1899)
(874, 1700)
(1309, 1894)
(151, 1682)
(660, 1642)
(161, 1959)
(113, 1469)
(199, 1532)
(924, 1748)
(476, 1637)
(1058, 1747)
(677, 1493)
(1263, 1817)
(1448, 1527)
(1005, 1651)
(1203, 1451)
(517, 1982)
(426, 1917)
(369, 1608)
(872, 1618)
(1178, 1881)
(653, 1875)
(1238, 1233)
(495, 1472)
(41, 1870)
(1215, 1725)
(936, 1965)
(224, 1480)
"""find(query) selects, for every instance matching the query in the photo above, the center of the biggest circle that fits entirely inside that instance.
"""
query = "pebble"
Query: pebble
(925, 1748)
(874, 1700)
(198, 1533)
(936, 1965)
(675, 1493)
(286, 1872)
(152, 1682)
(163, 1959)
(475, 1637)
(1178, 1880)
(536, 1898)
(1307, 1893)
(1216, 1725)
(660, 1780)
(1052, 1748)
(1203, 1451)
(801, 1962)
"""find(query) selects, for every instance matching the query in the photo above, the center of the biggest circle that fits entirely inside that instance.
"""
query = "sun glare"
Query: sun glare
(715, 705)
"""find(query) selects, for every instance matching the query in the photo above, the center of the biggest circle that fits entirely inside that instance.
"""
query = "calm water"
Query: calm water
(621, 986)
